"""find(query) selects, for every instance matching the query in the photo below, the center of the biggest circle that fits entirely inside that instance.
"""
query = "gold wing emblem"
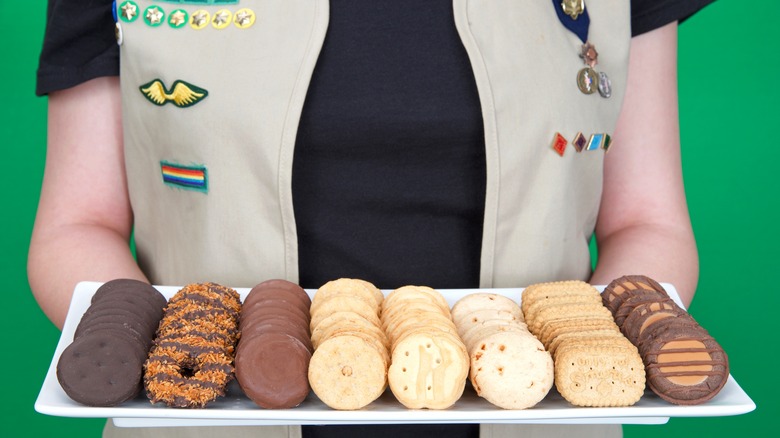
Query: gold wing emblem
(183, 94)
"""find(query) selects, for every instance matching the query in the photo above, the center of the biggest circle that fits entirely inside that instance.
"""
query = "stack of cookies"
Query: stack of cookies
(104, 364)
(429, 361)
(595, 365)
(274, 325)
(509, 366)
(348, 369)
(684, 364)
(191, 361)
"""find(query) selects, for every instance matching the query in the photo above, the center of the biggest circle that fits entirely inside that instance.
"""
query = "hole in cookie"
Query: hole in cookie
(501, 347)
(403, 369)
(406, 353)
(346, 371)
(427, 345)
(406, 388)
(429, 387)
(500, 371)
(438, 360)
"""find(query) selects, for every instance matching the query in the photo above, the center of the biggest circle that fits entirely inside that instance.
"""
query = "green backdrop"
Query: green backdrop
(729, 92)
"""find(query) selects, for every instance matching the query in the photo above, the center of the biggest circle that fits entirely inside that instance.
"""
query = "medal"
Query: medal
(574, 16)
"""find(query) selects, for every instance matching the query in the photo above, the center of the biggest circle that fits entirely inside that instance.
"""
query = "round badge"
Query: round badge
(244, 18)
(200, 19)
(586, 80)
(128, 11)
(178, 19)
(154, 16)
(221, 19)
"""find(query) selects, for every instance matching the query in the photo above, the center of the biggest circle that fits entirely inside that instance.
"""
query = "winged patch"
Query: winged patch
(182, 94)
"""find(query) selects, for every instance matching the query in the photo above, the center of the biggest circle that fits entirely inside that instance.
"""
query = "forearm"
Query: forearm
(84, 218)
(664, 254)
(62, 256)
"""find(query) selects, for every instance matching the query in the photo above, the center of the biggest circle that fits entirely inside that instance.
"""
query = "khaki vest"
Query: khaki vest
(540, 208)
(239, 229)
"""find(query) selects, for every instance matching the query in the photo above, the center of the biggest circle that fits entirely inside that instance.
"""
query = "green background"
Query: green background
(729, 92)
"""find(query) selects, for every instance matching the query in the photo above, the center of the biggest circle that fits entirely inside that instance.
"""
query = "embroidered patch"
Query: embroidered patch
(185, 177)
(182, 94)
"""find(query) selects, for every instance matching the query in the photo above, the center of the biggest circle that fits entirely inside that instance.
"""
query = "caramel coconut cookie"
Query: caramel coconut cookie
(191, 361)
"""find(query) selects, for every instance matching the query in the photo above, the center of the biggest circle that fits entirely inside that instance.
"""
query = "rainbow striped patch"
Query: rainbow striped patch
(185, 177)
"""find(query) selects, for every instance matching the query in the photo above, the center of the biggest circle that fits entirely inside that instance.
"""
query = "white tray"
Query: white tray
(237, 409)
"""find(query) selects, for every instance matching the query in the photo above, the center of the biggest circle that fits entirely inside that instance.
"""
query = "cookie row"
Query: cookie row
(348, 369)
(273, 354)
(509, 367)
(594, 364)
(429, 363)
(191, 361)
(684, 364)
(104, 363)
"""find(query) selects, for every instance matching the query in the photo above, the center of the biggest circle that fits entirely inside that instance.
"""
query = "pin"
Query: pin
(605, 85)
(178, 19)
(587, 79)
(595, 142)
(154, 15)
(559, 144)
(129, 11)
(244, 18)
(579, 142)
(221, 19)
(607, 143)
(573, 8)
(589, 54)
(200, 19)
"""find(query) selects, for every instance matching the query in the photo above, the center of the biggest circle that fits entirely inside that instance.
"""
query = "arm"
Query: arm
(84, 219)
(643, 225)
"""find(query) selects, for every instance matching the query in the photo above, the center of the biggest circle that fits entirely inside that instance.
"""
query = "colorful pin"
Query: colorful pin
(587, 80)
(178, 19)
(221, 19)
(559, 144)
(128, 11)
(154, 16)
(595, 142)
(244, 18)
(579, 142)
(200, 19)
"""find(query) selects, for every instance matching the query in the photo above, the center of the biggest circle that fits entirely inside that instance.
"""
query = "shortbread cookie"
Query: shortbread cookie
(599, 376)
(511, 370)
(347, 373)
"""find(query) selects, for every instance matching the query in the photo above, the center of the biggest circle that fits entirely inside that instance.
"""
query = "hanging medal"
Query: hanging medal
(574, 16)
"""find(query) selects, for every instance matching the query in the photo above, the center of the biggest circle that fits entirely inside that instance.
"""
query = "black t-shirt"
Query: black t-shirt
(389, 166)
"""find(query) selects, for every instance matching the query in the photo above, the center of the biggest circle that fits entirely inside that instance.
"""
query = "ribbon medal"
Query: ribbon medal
(573, 14)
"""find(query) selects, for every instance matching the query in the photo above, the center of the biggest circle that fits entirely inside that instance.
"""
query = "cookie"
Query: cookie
(599, 376)
(347, 373)
(511, 370)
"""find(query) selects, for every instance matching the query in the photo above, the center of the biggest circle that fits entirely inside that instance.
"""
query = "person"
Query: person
(443, 143)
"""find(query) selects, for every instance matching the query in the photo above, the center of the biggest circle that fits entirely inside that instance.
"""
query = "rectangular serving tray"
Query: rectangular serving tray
(236, 409)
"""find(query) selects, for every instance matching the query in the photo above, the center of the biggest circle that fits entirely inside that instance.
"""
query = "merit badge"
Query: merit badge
(154, 16)
(182, 94)
(221, 19)
(559, 144)
(128, 11)
(185, 177)
(178, 19)
(574, 16)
